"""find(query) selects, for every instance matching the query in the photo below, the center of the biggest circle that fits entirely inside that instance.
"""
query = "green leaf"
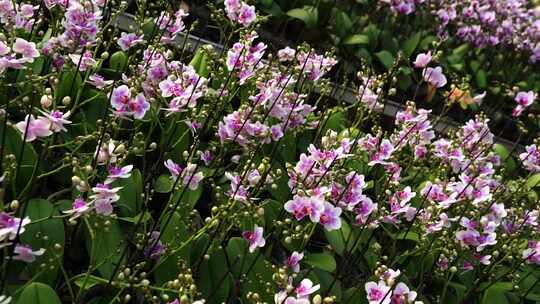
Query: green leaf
(93, 105)
(273, 9)
(404, 81)
(287, 148)
(241, 261)
(69, 83)
(175, 234)
(266, 3)
(106, 247)
(386, 58)
(389, 42)
(45, 233)
(425, 44)
(197, 249)
(364, 54)
(13, 145)
(272, 209)
(411, 236)
(322, 261)
(86, 282)
(146, 216)
(188, 200)
(45, 38)
(372, 31)
(36, 68)
(149, 29)
(163, 184)
(118, 61)
(356, 39)
(176, 231)
(533, 181)
(461, 50)
(200, 62)
(496, 294)
(329, 284)
(501, 150)
(342, 23)
(481, 79)
(38, 293)
(214, 280)
(130, 202)
(411, 44)
(335, 122)
(460, 289)
(178, 140)
(338, 238)
(308, 14)
(504, 154)
(354, 295)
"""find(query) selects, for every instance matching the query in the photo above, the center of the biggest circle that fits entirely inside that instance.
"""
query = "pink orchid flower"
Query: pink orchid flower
(422, 60)
(255, 238)
(24, 253)
(35, 128)
(305, 288)
(293, 261)
(435, 77)
(26, 49)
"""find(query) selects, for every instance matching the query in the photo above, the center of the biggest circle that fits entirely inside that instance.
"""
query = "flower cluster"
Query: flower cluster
(299, 295)
(172, 24)
(276, 107)
(240, 12)
(43, 126)
(185, 89)
(319, 193)
(11, 228)
(125, 105)
(244, 58)
(17, 15)
(16, 56)
(385, 291)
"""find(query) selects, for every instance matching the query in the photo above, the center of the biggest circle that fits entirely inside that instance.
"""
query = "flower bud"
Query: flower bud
(66, 100)
(45, 101)
(14, 205)
(75, 179)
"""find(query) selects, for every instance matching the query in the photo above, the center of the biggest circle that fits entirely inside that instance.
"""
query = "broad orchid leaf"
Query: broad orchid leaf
(46, 233)
(39, 293)
(308, 14)
(324, 261)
